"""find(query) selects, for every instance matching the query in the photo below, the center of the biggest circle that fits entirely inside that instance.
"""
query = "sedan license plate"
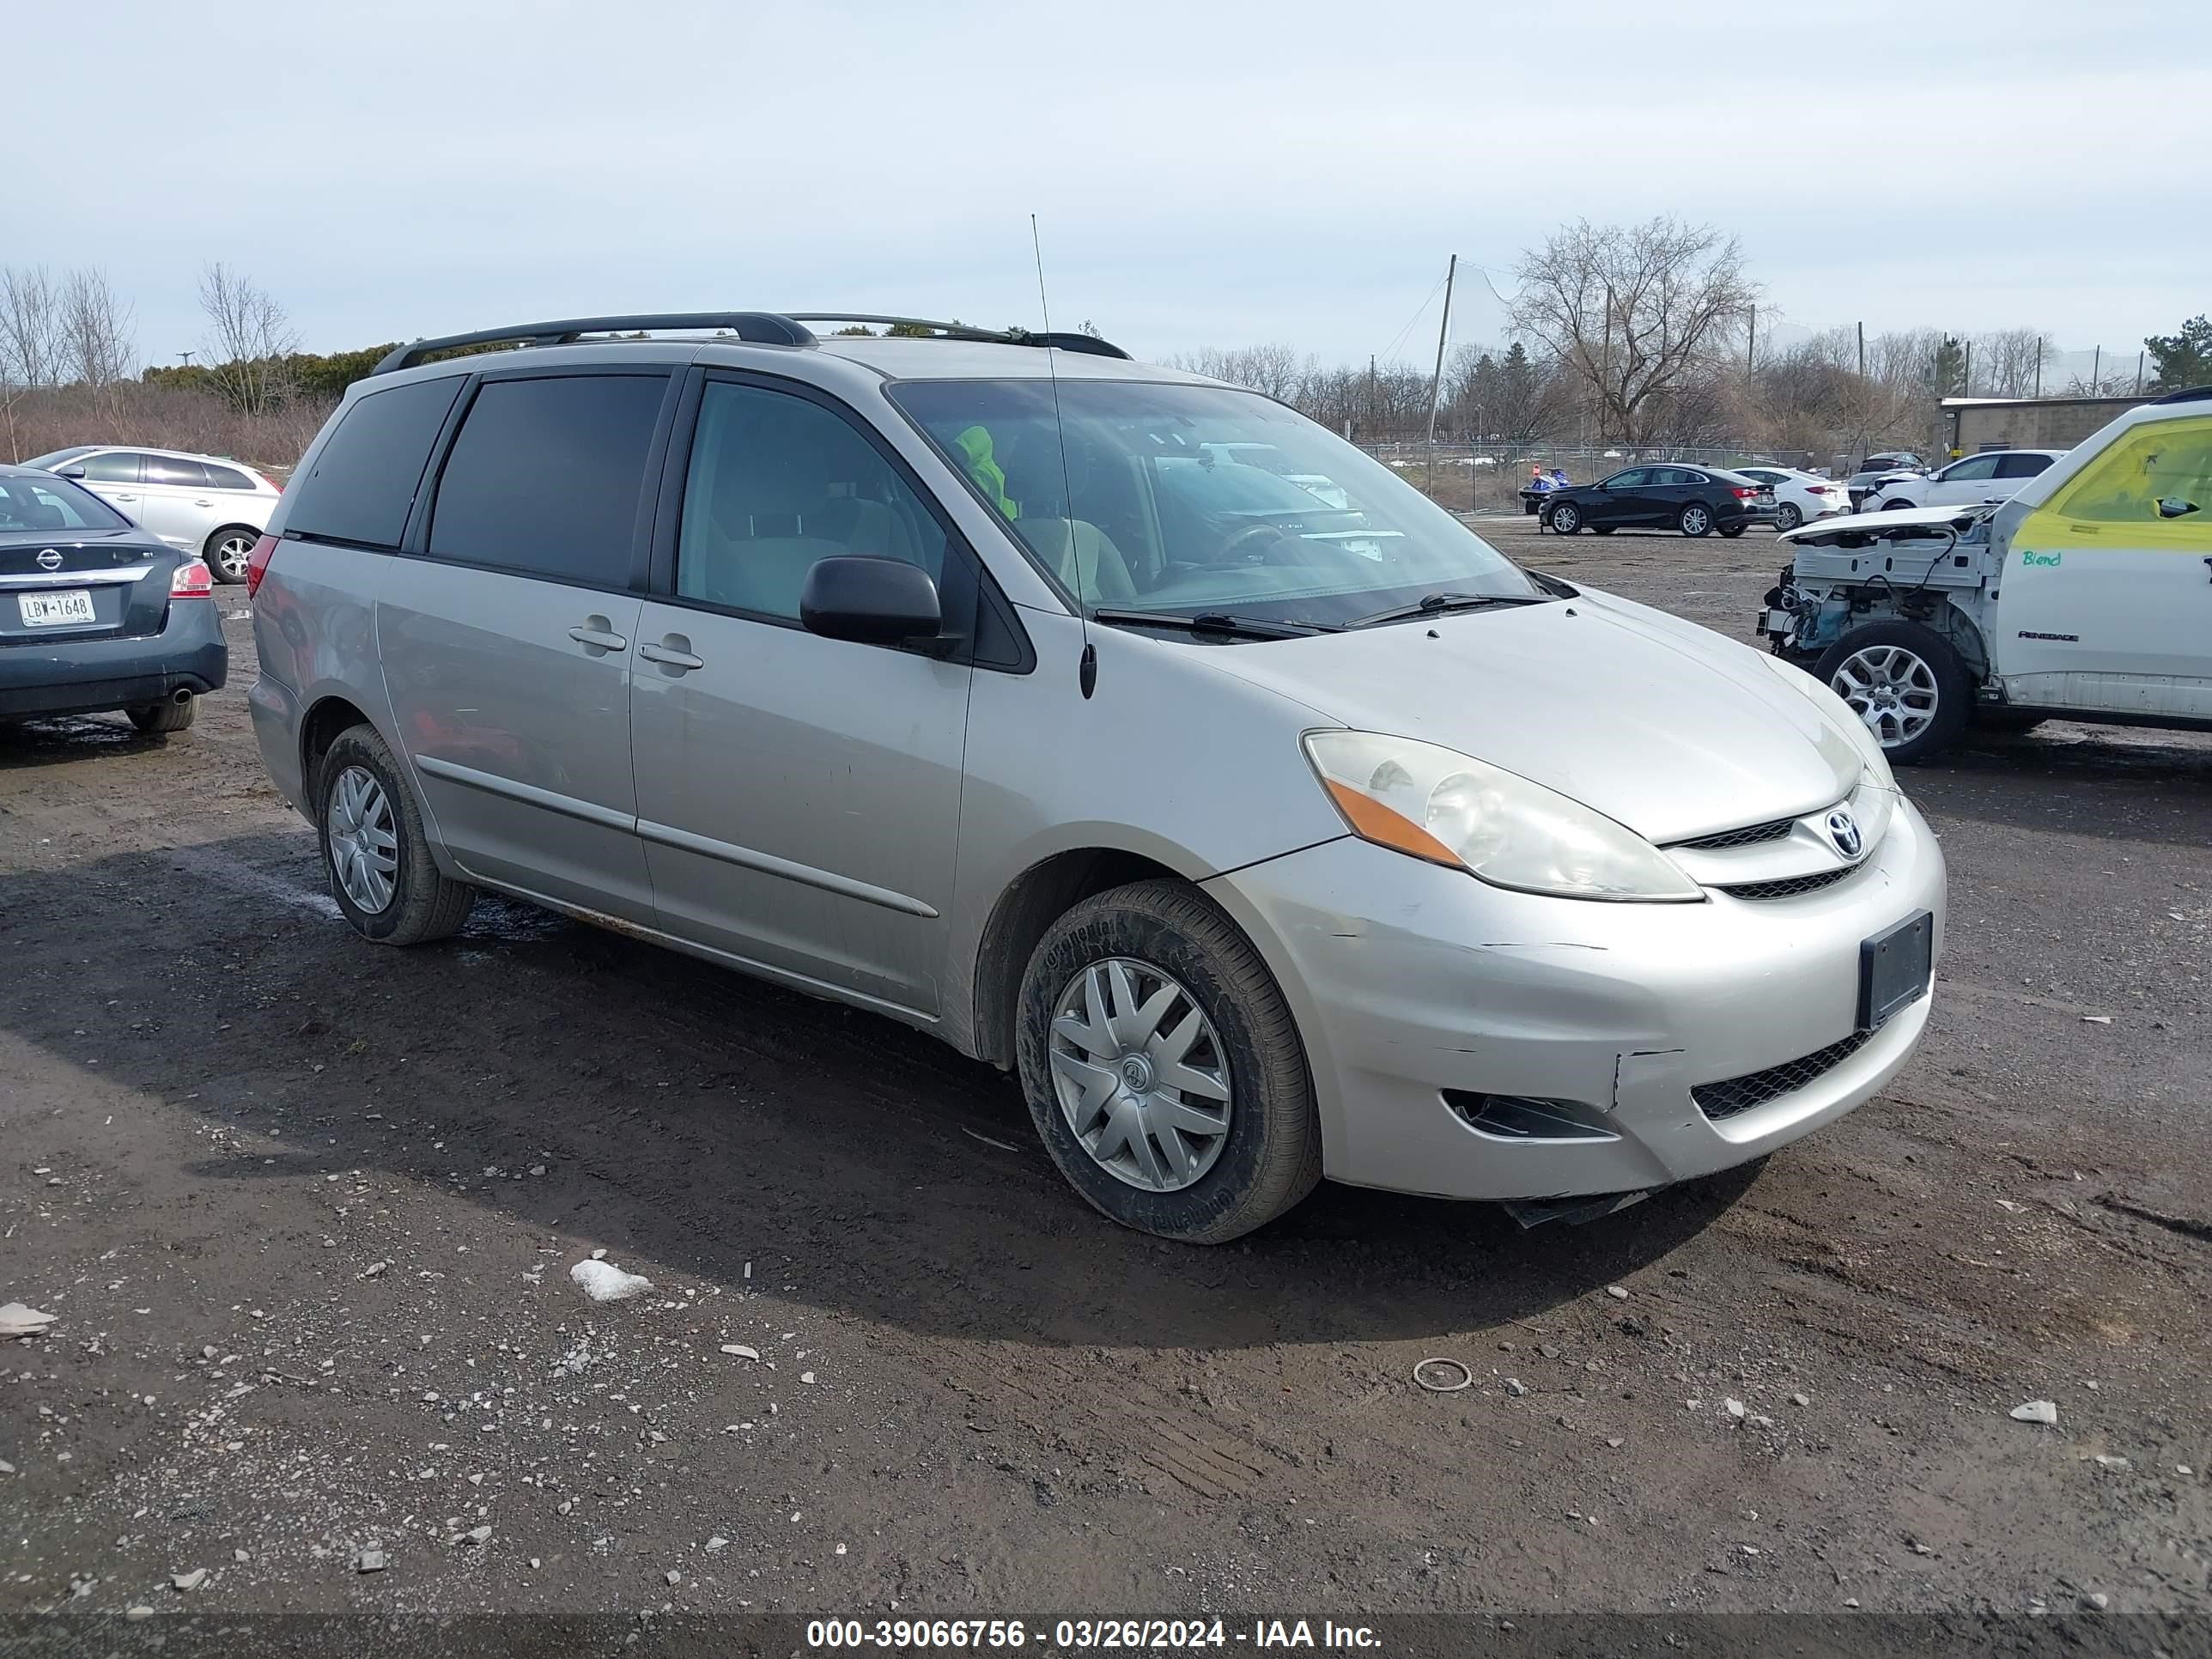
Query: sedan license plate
(56, 609)
(1895, 967)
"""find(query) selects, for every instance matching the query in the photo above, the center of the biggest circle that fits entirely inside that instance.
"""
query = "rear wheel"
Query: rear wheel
(1696, 519)
(1566, 519)
(228, 550)
(1904, 682)
(1731, 531)
(381, 871)
(160, 718)
(1601, 529)
(1787, 517)
(1162, 1068)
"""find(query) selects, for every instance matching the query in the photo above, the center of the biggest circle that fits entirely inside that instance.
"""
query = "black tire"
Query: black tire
(225, 551)
(424, 905)
(1696, 519)
(1952, 688)
(158, 719)
(1731, 531)
(1566, 519)
(1270, 1157)
(1602, 529)
(2008, 722)
(1899, 506)
(1787, 517)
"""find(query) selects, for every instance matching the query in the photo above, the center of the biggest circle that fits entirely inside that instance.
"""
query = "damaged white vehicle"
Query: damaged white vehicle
(2087, 596)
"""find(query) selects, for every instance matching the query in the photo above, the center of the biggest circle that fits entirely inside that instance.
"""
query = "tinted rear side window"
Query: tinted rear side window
(222, 477)
(545, 476)
(168, 470)
(2022, 466)
(365, 477)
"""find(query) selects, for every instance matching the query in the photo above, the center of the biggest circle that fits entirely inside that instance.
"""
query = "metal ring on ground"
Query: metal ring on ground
(1465, 1376)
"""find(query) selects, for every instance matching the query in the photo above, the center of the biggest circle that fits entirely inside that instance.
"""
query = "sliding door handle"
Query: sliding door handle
(597, 634)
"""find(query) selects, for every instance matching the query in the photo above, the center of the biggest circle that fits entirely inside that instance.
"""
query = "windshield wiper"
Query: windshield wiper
(1436, 605)
(1215, 622)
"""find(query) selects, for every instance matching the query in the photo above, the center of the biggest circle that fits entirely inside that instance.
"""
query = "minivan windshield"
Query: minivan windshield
(1188, 500)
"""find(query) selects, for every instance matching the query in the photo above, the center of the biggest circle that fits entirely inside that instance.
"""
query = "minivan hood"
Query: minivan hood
(1661, 725)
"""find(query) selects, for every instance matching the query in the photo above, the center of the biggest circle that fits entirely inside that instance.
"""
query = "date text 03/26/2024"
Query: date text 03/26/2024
(1084, 1635)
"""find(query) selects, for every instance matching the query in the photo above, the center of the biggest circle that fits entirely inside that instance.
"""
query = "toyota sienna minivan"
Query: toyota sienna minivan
(997, 683)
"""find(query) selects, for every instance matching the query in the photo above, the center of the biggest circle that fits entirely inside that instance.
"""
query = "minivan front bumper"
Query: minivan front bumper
(1425, 998)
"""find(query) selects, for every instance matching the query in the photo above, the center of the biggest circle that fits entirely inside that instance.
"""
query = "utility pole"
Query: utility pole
(1371, 426)
(2097, 373)
(1862, 351)
(2038, 369)
(1436, 380)
(185, 357)
(1750, 352)
(1967, 373)
(2139, 363)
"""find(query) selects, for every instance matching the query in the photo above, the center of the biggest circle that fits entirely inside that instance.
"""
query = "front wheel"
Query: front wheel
(1731, 531)
(1904, 682)
(1162, 1068)
(1787, 517)
(381, 871)
(1566, 519)
(1900, 505)
(1696, 519)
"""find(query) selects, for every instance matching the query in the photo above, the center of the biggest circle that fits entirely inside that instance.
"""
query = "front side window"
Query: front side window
(1635, 478)
(2161, 461)
(545, 476)
(114, 467)
(1971, 470)
(44, 506)
(778, 482)
(1136, 496)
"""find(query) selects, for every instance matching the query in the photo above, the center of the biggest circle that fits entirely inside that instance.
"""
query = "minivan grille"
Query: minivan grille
(1733, 1095)
(1789, 887)
(1750, 836)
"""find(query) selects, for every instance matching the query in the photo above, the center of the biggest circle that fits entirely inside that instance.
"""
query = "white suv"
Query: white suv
(1995, 475)
(201, 504)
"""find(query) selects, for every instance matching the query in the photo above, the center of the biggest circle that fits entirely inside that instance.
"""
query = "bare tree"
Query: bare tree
(249, 337)
(30, 341)
(2009, 362)
(1635, 313)
(98, 343)
(1274, 369)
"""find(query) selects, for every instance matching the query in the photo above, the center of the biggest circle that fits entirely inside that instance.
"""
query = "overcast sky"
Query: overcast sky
(1204, 175)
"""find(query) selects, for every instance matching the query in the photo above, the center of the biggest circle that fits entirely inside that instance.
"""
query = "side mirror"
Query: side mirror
(69, 471)
(2172, 506)
(869, 600)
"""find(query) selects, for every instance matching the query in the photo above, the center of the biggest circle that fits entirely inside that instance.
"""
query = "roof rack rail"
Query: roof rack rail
(759, 327)
(2194, 394)
(1088, 344)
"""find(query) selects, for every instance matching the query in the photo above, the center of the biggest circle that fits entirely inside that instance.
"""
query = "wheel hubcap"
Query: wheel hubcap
(1891, 689)
(364, 842)
(1140, 1075)
(231, 554)
(1694, 521)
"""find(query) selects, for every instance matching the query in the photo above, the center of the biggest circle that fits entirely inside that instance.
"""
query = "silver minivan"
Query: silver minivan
(999, 685)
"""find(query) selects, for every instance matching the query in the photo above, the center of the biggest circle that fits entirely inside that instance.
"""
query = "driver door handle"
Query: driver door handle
(594, 635)
(669, 654)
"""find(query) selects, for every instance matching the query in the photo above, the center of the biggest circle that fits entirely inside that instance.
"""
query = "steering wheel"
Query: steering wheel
(1254, 543)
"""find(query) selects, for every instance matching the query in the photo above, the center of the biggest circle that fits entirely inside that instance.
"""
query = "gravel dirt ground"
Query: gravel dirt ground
(304, 1211)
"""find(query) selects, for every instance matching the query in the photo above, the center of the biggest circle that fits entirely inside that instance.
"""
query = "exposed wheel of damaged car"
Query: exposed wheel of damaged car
(1904, 682)
(1163, 1069)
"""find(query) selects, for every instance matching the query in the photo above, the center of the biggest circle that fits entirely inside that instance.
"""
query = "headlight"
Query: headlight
(1839, 716)
(1452, 810)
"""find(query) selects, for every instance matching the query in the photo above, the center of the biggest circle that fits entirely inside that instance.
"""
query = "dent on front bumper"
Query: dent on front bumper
(1409, 980)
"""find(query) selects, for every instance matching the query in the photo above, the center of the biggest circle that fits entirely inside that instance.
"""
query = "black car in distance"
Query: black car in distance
(1694, 500)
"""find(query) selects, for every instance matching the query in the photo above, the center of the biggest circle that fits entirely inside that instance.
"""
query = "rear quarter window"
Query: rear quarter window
(366, 474)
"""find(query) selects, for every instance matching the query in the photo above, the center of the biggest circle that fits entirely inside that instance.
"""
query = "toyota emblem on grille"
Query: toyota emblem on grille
(1844, 830)
(50, 558)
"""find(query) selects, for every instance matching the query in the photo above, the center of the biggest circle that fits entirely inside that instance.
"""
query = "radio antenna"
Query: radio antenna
(1087, 668)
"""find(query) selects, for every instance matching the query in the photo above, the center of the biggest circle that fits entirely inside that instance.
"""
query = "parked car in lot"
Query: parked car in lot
(2087, 596)
(883, 668)
(96, 614)
(1799, 496)
(1989, 477)
(1694, 500)
(1877, 467)
(209, 506)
